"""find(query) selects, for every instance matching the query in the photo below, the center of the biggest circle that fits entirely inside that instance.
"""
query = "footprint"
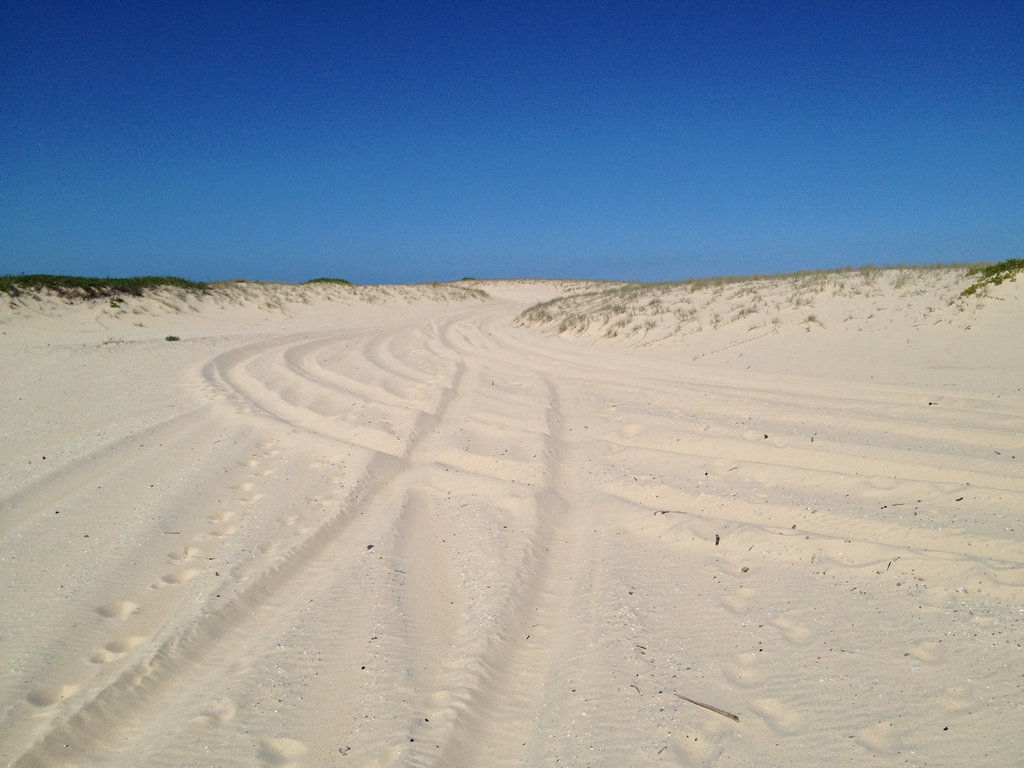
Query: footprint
(223, 530)
(954, 699)
(700, 747)
(925, 651)
(779, 718)
(792, 631)
(216, 712)
(124, 644)
(251, 498)
(184, 554)
(220, 517)
(119, 609)
(630, 431)
(879, 738)
(282, 751)
(178, 577)
(47, 697)
(743, 671)
(244, 487)
(739, 600)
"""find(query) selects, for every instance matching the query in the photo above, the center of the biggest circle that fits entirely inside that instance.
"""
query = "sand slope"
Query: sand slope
(412, 528)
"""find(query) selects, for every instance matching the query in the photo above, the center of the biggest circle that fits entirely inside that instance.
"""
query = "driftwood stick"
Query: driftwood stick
(716, 710)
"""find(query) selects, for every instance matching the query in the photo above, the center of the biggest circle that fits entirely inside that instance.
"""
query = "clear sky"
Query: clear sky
(406, 142)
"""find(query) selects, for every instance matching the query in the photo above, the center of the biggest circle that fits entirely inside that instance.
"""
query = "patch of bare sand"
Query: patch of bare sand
(413, 532)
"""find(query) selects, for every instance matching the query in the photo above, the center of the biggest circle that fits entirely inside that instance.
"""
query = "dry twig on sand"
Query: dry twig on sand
(716, 710)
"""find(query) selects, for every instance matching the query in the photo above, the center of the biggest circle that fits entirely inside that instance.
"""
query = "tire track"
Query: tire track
(887, 444)
(97, 725)
(492, 701)
(500, 556)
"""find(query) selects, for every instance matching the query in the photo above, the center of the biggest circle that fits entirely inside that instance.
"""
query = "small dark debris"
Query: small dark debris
(717, 539)
(369, 546)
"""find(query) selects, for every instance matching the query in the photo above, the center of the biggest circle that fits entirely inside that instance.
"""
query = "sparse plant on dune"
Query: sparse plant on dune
(611, 309)
(900, 279)
(993, 274)
(329, 280)
(746, 311)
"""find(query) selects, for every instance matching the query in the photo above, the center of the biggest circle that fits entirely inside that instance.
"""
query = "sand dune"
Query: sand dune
(431, 526)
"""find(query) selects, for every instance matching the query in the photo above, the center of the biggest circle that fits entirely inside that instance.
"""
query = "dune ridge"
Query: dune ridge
(433, 526)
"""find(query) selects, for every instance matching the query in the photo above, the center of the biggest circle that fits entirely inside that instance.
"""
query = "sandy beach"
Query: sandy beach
(772, 521)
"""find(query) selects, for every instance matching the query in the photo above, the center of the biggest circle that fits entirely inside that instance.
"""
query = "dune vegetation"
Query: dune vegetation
(69, 286)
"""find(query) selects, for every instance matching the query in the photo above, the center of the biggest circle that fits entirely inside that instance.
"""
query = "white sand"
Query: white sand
(402, 527)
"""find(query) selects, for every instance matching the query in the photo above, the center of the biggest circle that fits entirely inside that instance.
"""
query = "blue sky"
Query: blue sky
(407, 142)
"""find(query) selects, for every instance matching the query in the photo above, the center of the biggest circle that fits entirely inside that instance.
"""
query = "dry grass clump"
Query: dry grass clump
(617, 308)
(277, 296)
(760, 304)
(172, 295)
